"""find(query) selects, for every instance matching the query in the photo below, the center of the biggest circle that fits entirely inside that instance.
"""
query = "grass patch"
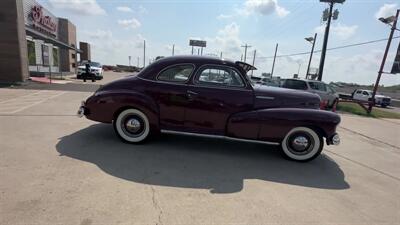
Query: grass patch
(354, 108)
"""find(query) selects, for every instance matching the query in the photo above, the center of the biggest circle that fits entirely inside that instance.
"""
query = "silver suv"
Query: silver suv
(326, 92)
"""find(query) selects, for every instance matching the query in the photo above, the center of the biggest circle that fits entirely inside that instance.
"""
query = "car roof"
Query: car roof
(306, 80)
(194, 59)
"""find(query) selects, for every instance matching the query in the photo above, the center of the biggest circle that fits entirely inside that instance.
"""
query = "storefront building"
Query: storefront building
(47, 44)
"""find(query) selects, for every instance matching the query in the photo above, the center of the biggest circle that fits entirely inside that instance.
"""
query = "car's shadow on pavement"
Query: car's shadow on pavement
(192, 162)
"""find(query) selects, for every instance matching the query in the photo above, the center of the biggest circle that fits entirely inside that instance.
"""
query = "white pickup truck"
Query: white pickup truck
(366, 95)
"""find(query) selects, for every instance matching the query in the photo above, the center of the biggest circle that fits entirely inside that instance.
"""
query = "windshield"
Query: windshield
(92, 64)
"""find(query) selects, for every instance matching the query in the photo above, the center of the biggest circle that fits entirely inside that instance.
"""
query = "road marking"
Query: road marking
(368, 137)
(27, 102)
(362, 165)
(9, 100)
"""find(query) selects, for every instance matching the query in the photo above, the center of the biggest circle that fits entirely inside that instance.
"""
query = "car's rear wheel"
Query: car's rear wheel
(132, 126)
(302, 144)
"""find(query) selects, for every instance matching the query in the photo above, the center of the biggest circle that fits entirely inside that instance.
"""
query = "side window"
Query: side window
(178, 73)
(295, 84)
(365, 93)
(317, 86)
(222, 76)
(358, 92)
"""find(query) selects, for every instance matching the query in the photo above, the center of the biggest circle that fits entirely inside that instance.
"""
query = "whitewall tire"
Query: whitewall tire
(302, 144)
(132, 126)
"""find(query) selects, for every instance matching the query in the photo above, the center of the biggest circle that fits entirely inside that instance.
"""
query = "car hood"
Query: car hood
(274, 97)
(92, 67)
(381, 96)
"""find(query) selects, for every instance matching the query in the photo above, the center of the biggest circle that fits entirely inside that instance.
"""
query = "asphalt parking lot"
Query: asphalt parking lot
(56, 168)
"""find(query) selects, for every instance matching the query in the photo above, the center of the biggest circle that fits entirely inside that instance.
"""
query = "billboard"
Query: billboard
(40, 19)
(198, 43)
(396, 63)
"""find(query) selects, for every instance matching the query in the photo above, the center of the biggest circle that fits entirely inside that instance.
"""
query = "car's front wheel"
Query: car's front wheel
(302, 144)
(132, 126)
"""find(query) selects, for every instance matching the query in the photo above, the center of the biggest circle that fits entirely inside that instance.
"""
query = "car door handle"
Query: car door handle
(191, 93)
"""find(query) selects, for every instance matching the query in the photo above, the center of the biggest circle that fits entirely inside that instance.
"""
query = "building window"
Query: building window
(55, 57)
(45, 55)
(73, 65)
(73, 56)
(31, 53)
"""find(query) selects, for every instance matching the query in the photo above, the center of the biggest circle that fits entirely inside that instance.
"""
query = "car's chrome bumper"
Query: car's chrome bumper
(81, 110)
(333, 140)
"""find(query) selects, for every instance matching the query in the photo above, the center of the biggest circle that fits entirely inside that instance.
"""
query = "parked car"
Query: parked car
(269, 82)
(211, 97)
(366, 95)
(326, 92)
(95, 68)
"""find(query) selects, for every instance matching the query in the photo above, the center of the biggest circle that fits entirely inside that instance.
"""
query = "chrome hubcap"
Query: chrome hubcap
(133, 125)
(300, 143)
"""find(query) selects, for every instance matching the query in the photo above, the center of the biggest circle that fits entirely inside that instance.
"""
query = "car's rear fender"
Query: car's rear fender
(273, 124)
(104, 106)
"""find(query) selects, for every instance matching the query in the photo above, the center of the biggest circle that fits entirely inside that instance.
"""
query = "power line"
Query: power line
(334, 48)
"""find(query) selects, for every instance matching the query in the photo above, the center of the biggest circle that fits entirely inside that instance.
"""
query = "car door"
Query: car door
(216, 93)
(170, 92)
(358, 95)
(320, 89)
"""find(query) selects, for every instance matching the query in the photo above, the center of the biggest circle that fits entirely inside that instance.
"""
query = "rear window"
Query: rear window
(317, 86)
(295, 84)
(178, 73)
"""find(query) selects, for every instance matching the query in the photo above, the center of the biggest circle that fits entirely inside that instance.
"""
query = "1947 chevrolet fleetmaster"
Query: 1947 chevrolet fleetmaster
(214, 98)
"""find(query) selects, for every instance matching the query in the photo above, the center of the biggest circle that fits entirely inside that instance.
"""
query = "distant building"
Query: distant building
(35, 42)
(85, 48)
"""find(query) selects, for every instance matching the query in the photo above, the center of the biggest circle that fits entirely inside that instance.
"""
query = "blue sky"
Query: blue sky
(117, 28)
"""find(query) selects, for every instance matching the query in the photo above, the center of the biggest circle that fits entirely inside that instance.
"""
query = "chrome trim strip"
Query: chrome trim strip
(191, 85)
(217, 137)
(266, 97)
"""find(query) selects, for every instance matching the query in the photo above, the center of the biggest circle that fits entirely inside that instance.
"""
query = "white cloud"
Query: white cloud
(142, 10)
(264, 7)
(386, 10)
(99, 34)
(124, 9)
(224, 16)
(227, 40)
(130, 23)
(343, 32)
(82, 7)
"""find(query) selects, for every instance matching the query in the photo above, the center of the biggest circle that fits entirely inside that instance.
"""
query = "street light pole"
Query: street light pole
(144, 53)
(273, 63)
(383, 62)
(325, 44)
(245, 51)
(311, 54)
(173, 49)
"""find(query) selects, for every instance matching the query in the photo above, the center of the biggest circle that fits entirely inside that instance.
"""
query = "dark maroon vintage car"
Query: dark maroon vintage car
(214, 98)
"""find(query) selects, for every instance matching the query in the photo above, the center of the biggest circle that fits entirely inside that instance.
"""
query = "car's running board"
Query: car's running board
(217, 137)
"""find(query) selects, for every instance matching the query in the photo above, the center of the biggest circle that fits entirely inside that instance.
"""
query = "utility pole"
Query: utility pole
(144, 53)
(138, 62)
(254, 60)
(387, 21)
(312, 40)
(241, 58)
(129, 57)
(273, 63)
(329, 16)
(220, 55)
(245, 51)
(201, 51)
(173, 49)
